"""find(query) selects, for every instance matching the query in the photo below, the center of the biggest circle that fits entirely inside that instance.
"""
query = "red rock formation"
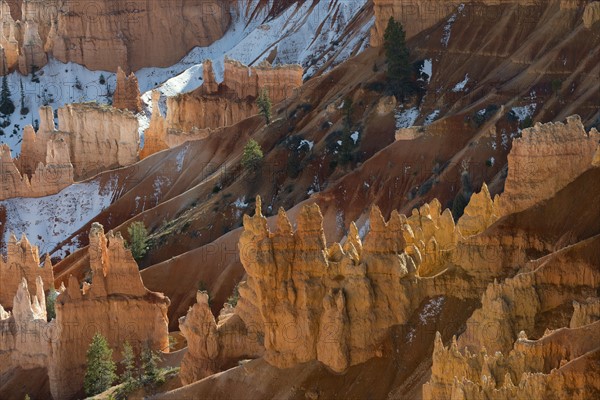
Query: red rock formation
(97, 137)
(127, 93)
(194, 115)
(22, 263)
(561, 365)
(150, 34)
(210, 347)
(234, 99)
(46, 179)
(544, 160)
(117, 305)
(155, 137)
(418, 15)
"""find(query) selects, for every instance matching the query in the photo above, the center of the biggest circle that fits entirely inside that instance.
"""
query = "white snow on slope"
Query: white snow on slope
(448, 27)
(293, 34)
(524, 112)
(460, 86)
(49, 220)
(406, 118)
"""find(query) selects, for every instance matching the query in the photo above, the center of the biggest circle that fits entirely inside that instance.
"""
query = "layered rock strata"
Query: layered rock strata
(116, 305)
(194, 115)
(97, 137)
(544, 160)
(149, 34)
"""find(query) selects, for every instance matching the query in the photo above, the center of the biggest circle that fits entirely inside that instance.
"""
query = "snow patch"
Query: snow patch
(431, 310)
(406, 118)
(307, 143)
(355, 136)
(427, 69)
(460, 86)
(522, 113)
(47, 221)
(431, 117)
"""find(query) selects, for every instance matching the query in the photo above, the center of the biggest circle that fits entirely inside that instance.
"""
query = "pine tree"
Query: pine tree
(264, 105)
(7, 107)
(252, 156)
(400, 70)
(138, 235)
(151, 373)
(128, 378)
(100, 371)
(51, 304)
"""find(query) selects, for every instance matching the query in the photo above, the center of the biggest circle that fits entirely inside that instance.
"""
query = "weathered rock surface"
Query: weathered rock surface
(212, 348)
(127, 92)
(149, 34)
(22, 263)
(194, 115)
(46, 179)
(591, 14)
(417, 16)
(561, 365)
(116, 304)
(544, 160)
(97, 137)
(480, 213)
(234, 99)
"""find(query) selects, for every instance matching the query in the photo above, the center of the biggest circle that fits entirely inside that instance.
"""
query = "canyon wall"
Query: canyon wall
(116, 305)
(97, 137)
(233, 100)
(127, 92)
(193, 115)
(544, 160)
(150, 33)
(418, 15)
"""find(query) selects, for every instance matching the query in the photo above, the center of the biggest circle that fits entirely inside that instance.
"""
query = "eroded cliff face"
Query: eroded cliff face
(127, 92)
(97, 138)
(194, 115)
(150, 34)
(47, 178)
(234, 99)
(116, 304)
(22, 263)
(563, 364)
(417, 15)
(211, 347)
(544, 160)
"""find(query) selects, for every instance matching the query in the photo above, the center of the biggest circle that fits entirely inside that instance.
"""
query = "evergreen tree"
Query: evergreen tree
(264, 105)
(151, 373)
(7, 107)
(51, 303)
(24, 109)
(138, 235)
(400, 70)
(100, 369)
(128, 378)
(252, 156)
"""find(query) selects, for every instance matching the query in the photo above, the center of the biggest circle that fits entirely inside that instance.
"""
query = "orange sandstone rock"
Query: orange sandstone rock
(127, 93)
